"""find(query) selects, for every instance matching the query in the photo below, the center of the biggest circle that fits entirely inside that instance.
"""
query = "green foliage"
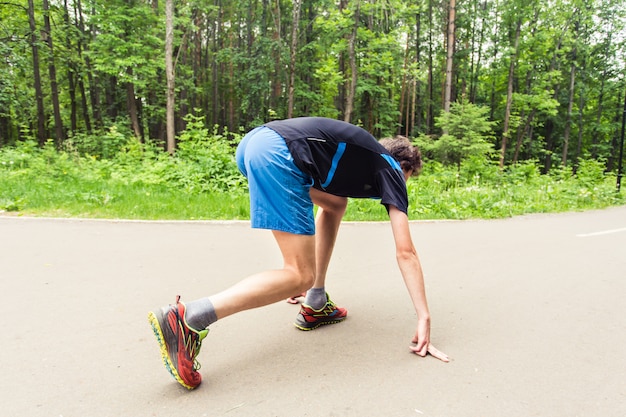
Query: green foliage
(329, 78)
(143, 181)
(468, 135)
(206, 162)
(442, 193)
(85, 174)
(105, 144)
(233, 60)
(128, 35)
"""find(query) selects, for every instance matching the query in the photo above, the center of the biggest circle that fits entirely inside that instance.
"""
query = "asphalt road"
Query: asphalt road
(532, 311)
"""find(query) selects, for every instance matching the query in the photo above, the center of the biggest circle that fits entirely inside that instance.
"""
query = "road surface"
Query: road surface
(531, 310)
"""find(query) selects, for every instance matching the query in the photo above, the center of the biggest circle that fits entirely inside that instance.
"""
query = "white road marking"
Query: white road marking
(604, 232)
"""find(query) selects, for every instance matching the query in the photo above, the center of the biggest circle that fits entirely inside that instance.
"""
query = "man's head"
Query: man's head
(407, 154)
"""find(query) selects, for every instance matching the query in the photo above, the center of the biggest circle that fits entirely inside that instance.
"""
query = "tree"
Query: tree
(54, 91)
(41, 128)
(390, 66)
(468, 134)
(169, 74)
(447, 94)
(351, 88)
(292, 56)
(125, 50)
(509, 92)
(570, 102)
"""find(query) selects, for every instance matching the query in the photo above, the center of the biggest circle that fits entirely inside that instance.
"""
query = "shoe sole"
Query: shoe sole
(169, 365)
(298, 326)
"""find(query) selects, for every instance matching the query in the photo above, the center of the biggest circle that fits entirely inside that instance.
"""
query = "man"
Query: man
(292, 165)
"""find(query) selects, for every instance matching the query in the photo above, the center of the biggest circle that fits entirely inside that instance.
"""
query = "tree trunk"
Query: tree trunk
(131, 105)
(349, 106)
(414, 111)
(41, 118)
(277, 82)
(476, 72)
(521, 132)
(404, 104)
(549, 124)
(292, 60)
(520, 135)
(215, 96)
(170, 76)
(610, 163)
(430, 117)
(570, 101)
(579, 145)
(509, 94)
(596, 128)
(94, 92)
(606, 55)
(416, 107)
(620, 158)
(447, 93)
(4, 131)
(71, 71)
(404, 93)
(494, 57)
(199, 70)
(549, 138)
(410, 111)
(54, 90)
(568, 120)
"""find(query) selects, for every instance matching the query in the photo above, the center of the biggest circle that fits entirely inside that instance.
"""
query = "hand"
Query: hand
(420, 344)
(431, 350)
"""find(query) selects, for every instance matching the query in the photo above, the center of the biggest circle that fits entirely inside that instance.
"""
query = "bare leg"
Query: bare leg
(296, 276)
(317, 310)
(329, 215)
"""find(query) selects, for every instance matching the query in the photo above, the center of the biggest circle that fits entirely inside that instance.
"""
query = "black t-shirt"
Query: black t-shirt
(343, 159)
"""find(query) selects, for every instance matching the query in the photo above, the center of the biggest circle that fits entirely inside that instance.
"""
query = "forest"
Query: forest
(516, 80)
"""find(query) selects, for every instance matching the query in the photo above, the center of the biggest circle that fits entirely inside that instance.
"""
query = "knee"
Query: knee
(305, 281)
(329, 203)
(335, 208)
(338, 206)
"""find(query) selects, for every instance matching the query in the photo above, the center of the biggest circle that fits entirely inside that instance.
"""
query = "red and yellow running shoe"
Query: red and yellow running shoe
(310, 319)
(179, 343)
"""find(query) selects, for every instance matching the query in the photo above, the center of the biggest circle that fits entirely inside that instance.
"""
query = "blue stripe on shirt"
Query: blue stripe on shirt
(331, 173)
(391, 161)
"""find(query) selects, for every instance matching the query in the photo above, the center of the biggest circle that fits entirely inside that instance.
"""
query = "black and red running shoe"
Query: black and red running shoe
(179, 343)
(310, 319)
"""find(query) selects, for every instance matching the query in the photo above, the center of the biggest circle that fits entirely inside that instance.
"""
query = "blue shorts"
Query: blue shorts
(279, 190)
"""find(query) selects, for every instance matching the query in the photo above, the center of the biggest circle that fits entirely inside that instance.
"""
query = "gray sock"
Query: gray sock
(200, 314)
(316, 298)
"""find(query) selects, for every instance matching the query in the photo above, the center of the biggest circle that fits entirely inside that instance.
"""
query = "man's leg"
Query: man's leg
(180, 331)
(317, 308)
(331, 209)
(297, 275)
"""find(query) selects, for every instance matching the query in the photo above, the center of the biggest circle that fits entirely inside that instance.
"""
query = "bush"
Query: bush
(105, 144)
(468, 135)
(206, 162)
(202, 181)
(522, 172)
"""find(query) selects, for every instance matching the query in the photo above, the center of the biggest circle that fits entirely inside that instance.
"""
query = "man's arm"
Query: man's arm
(411, 270)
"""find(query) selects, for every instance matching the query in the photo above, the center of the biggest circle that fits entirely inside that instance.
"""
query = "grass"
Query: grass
(143, 184)
(73, 197)
(111, 200)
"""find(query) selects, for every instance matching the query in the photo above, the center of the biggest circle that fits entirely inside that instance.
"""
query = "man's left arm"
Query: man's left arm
(411, 270)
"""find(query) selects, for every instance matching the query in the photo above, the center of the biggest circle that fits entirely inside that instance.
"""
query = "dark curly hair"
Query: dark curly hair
(407, 154)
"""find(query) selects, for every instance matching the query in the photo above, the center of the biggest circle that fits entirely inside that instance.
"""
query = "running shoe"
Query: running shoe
(310, 319)
(179, 343)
